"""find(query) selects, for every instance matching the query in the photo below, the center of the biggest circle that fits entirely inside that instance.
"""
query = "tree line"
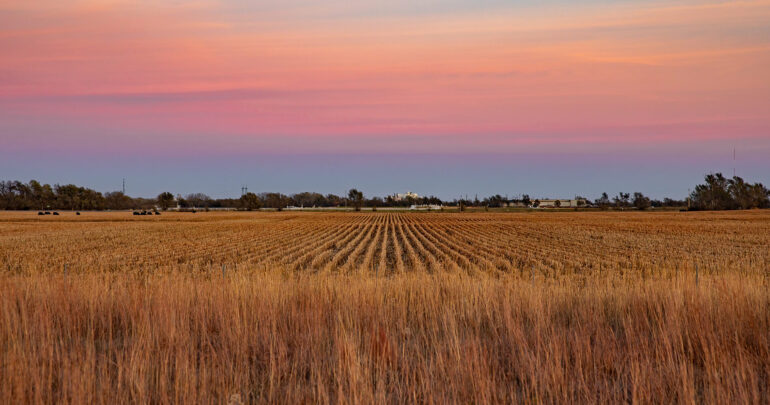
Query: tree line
(17, 195)
(717, 193)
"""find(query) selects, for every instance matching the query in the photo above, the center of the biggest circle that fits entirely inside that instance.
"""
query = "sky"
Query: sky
(444, 97)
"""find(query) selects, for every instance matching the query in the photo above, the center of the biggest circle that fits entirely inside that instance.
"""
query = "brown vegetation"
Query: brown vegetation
(385, 307)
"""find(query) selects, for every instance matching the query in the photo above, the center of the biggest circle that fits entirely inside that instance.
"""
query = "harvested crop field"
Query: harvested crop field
(375, 307)
(552, 244)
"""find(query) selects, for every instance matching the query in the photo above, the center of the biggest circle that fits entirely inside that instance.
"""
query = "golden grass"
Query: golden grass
(385, 307)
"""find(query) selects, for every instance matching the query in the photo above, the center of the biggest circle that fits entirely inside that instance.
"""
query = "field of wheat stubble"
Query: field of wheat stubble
(385, 307)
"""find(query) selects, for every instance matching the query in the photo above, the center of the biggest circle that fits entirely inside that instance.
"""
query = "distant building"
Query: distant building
(514, 204)
(425, 207)
(574, 203)
(404, 196)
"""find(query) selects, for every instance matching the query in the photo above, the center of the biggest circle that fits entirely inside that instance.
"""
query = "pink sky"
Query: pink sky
(304, 75)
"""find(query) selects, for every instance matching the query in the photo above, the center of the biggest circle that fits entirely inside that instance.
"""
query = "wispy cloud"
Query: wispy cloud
(389, 74)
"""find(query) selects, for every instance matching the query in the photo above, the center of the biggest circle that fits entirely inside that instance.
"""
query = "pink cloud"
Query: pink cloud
(616, 74)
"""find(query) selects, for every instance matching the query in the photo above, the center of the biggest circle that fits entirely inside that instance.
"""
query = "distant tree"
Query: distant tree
(760, 196)
(116, 200)
(68, 197)
(165, 200)
(603, 202)
(356, 198)
(746, 195)
(250, 202)
(557, 203)
(275, 200)
(641, 202)
(494, 201)
(307, 199)
(432, 200)
(72, 197)
(41, 195)
(714, 195)
(333, 200)
(181, 202)
(198, 200)
(668, 202)
(375, 202)
(525, 200)
(622, 200)
(720, 193)
(536, 203)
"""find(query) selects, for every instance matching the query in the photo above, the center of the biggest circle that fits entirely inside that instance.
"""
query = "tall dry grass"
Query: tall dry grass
(385, 308)
(414, 338)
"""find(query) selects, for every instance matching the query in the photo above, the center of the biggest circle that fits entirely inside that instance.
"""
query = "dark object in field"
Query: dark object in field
(40, 213)
(136, 212)
(47, 213)
(56, 213)
(157, 213)
(193, 211)
(77, 213)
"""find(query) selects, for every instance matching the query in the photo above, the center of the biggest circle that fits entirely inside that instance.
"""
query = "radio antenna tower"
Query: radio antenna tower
(244, 190)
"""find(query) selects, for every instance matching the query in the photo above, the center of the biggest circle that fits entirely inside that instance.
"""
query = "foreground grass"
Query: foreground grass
(450, 338)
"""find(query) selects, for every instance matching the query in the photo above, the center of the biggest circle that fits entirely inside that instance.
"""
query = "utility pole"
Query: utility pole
(124, 186)
(244, 190)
